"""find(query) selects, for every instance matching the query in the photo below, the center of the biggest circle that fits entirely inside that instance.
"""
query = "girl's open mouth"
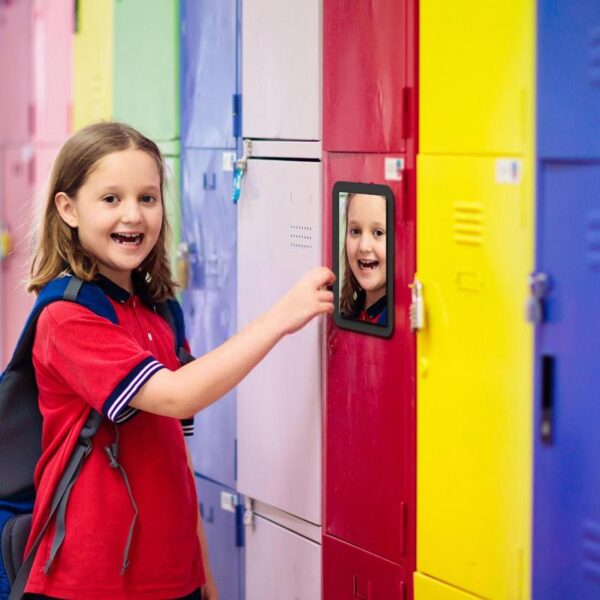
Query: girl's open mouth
(128, 239)
(368, 265)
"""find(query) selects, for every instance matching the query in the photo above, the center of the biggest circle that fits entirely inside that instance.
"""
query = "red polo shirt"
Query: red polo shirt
(82, 361)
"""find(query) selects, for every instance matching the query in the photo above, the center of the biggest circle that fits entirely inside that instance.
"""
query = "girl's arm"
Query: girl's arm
(198, 384)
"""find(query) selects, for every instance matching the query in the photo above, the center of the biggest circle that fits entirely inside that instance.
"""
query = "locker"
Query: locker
(281, 84)
(368, 51)
(146, 66)
(370, 418)
(475, 375)
(432, 589)
(16, 206)
(15, 70)
(209, 48)
(568, 79)
(93, 50)
(566, 547)
(209, 302)
(221, 514)
(279, 402)
(355, 573)
(280, 563)
(476, 76)
(52, 71)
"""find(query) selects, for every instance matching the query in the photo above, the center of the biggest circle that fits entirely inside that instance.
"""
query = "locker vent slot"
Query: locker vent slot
(591, 550)
(300, 236)
(594, 55)
(593, 240)
(468, 223)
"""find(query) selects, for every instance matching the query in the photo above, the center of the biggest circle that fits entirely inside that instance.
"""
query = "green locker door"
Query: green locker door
(475, 248)
(146, 80)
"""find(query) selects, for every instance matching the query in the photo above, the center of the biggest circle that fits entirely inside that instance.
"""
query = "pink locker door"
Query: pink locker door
(52, 69)
(366, 49)
(15, 70)
(15, 204)
(370, 411)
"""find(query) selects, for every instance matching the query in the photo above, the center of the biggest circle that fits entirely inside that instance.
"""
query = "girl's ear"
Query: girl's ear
(66, 209)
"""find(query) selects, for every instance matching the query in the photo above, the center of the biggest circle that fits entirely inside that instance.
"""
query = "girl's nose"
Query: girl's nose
(131, 212)
(365, 243)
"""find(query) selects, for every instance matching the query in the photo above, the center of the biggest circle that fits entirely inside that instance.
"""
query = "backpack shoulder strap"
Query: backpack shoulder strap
(171, 312)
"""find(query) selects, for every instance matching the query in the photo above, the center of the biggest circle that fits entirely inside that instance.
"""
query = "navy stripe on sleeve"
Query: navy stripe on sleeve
(118, 402)
(188, 426)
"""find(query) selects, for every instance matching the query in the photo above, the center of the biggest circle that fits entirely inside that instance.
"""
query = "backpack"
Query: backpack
(21, 432)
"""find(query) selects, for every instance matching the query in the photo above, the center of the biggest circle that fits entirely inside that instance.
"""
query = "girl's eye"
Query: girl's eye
(147, 199)
(110, 199)
(354, 231)
(379, 233)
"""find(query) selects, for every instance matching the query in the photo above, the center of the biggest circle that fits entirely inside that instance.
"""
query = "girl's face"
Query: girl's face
(366, 243)
(118, 212)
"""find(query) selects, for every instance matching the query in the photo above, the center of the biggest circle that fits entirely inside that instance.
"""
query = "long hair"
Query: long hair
(350, 287)
(58, 249)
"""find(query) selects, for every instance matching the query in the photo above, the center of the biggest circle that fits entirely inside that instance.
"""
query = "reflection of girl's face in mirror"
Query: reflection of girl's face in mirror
(366, 243)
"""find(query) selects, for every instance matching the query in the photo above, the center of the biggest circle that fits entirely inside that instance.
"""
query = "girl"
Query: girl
(105, 222)
(364, 288)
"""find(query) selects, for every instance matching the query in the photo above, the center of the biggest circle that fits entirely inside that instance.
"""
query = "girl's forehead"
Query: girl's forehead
(125, 166)
(367, 205)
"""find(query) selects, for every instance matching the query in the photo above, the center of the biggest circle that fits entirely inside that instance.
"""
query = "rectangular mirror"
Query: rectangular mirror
(363, 257)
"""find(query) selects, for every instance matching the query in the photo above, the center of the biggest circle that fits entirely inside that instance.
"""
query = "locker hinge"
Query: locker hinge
(235, 459)
(237, 114)
(417, 306)
(248, 512)
(240, 533)
(76, 13)
(539, 287)
(406, 117)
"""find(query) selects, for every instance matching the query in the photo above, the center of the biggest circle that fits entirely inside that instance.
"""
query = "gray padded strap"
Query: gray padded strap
(72, 289)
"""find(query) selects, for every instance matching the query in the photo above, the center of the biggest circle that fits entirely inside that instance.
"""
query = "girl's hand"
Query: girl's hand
(209, 589)
(306, 300)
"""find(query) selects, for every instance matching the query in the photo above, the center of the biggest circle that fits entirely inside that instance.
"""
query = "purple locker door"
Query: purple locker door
(566, 551)
(52, 72)
(209, 302)
(15, 70)
(16, 180)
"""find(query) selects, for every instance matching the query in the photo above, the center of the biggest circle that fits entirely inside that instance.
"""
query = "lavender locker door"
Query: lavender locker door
(566, 551)
(15, 70)
(52, 69)
(17, 183)
(279, 408)
(209, 69)
(220, 510)
(209, 302)
(281, 84)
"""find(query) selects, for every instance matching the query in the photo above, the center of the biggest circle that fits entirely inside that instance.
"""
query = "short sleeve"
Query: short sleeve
(101, 362)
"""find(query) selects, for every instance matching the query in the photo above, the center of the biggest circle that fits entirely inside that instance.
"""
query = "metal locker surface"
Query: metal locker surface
(209, 301)
(353, 573)
(281, 564)
(146, 66)
(370, 413)
(218, 510)
(172, 190)
(566, 550)
(93, 50)
(15, 70)
(281, 83)
(16, 208)
(366, 52)
(209, 48)
(474, 374)
(52, 71)
(279, 402)
(476, 76)
(568, 50)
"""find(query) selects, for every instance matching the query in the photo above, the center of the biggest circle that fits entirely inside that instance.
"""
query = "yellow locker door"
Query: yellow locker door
(475, 248)
(93, 62)
(475, 76)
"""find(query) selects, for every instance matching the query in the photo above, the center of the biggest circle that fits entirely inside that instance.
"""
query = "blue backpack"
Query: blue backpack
(21, 433)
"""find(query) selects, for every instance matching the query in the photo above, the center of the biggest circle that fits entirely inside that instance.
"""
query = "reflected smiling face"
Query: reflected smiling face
(366, 244)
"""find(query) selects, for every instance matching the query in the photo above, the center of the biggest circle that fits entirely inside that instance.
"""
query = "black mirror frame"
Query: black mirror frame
(375, 190)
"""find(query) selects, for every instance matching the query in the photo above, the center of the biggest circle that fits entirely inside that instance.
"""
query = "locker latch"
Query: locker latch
(539, 287)
(241, 166)
(417, 306)
(248, 512)
(5, 242)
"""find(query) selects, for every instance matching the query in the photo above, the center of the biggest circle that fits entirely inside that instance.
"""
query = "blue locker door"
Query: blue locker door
(220, 509)
(209, 302)
(569, 78)
(209, 63)
(566, 550)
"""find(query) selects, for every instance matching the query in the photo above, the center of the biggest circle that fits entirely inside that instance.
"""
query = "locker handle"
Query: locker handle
(356, 593)
(210, 184)
(547, 393)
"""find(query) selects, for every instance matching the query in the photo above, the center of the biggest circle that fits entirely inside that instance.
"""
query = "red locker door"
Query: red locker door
(356, 574)
(369, 64)
(370, 411)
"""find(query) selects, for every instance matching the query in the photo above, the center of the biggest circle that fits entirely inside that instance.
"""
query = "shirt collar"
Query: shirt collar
(118, 294)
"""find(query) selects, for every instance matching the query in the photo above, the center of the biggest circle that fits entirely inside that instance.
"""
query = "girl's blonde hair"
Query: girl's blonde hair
(350, 286)
(58, 249)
